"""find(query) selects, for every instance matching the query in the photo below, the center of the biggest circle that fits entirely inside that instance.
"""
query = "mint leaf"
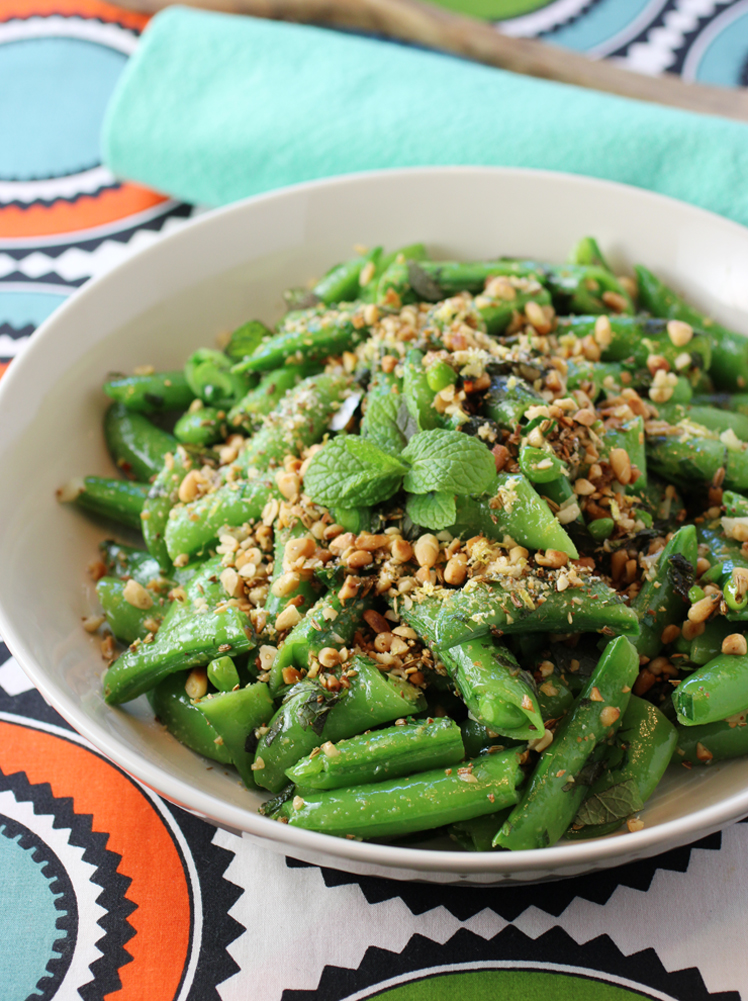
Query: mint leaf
(448, 461)
(432, 510)
(615, 803)
(380, 423)
(351, 471)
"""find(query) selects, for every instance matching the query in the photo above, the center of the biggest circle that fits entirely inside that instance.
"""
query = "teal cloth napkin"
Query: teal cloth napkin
(214, 107)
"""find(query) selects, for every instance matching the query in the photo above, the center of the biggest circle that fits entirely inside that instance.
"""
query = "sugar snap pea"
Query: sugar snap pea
(120, 500)
(714, 691)
(149, 394)
(136, 445)
(662, 600)
(235, 716)
(183, 719)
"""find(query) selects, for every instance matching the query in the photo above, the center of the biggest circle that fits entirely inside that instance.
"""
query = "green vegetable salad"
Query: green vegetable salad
(455, 548)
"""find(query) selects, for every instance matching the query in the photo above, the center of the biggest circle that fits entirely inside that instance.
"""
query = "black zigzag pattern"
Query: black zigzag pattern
(510, 901)
(15, 332)
(29, 703)
(218, 896)
(510, 946)
(117, 930)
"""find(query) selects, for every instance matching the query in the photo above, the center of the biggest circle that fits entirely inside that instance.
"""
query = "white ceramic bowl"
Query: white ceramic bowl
(215, 273)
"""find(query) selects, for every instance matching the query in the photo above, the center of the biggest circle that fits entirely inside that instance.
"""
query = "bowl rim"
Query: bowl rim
(567, 856)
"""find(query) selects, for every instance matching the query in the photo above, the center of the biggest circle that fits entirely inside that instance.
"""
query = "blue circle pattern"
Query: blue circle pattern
(54, 92)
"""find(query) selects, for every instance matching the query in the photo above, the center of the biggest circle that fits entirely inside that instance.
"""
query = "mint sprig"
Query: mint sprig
(447, 461)
(351, 471)
(355, 471)
(433, 510)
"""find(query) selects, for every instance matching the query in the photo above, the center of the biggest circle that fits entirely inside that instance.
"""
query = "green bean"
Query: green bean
(661, 601)
(192, 528)
(308, 335)
(687, 459)
(559, 784)
(304, 593)
(712, 418)
(235, 716)
(212, 378)
(711, 742)
(635, 338)
(298, 421)
(266, 396)
(381, 754)
(342, 283)
(331, 622)
(714, 691)
(136, 446)
(223, 674)
(204, 427)
(120, 500)
(127, 561)
(468, 614)
(312, 715)
(183, 719)
(729, 367)
(634, 764)
(127, 621)
(507, 400)
(245, 340)
(163, 496)
(512, 507)
(149, 394)
(417, 803)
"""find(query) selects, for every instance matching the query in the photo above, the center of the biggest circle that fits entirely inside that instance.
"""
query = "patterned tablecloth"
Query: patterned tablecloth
(108, 891)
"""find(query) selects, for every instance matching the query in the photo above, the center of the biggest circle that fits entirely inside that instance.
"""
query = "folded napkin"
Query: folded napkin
(214, 107)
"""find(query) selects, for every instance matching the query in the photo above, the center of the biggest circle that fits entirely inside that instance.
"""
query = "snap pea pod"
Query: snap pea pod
(726, 556)
(127, 561)
(712, 418)
(634, 764)
(736, 505)
(384, 399)
(126, 621)
(188, 642)
(192, 528)
(418, 394)
(475, 611)
(635, 338)
(512, 507)
(477, 738)
(120, 500)
(235, 716)
(380, 755)
(477, 835)
(507, 400)
(586, 251)
(308, 335)
(660, 602)
(136, 445)
(540, 466)
(430, 281)
(266, 396)
(581, 289)
(307, 589)
(342, 283)
(555, 698)
(593, 377)
(491, 683)
(686, 460)
(714, 691)
(179, 714)
(417, 803)
(498, 314)
(149, 394)
(331, 622)
(164, 495)
(558, 785)
(711, 742)
(204, 427)
(630, 437)
(412, 252)
(246, 339)
(729, 367)
(223, 674)
(299, 421)
(311, 715)
(196, 629)
(708, 644)
(211, 376)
